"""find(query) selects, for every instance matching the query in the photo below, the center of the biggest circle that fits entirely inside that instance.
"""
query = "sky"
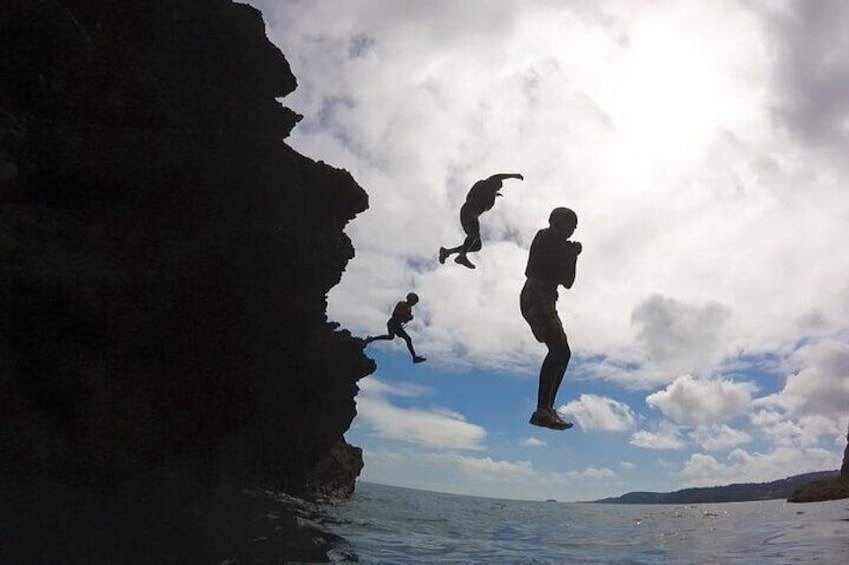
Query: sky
(703, 146)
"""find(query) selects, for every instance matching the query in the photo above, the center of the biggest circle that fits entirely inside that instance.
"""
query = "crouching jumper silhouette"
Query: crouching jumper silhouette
(551, 262)
(481, 197)
(402, 314)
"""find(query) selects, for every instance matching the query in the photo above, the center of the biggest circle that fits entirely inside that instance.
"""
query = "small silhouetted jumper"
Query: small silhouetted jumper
(551, 262)
(401, 314)
(481, 197)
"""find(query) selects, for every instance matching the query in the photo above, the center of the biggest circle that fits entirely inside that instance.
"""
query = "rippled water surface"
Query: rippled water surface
(392, 525)
(180, 523)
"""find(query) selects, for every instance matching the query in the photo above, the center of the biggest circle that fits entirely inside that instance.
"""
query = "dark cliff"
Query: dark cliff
(164, 255)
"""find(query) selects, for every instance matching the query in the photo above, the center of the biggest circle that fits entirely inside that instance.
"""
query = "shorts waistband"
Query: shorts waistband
(535, 283)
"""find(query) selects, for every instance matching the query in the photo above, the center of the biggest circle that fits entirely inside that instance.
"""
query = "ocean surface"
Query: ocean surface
(182, 523)
(384, 524)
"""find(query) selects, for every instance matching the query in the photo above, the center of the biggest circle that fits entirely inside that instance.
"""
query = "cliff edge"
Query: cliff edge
(164, 256)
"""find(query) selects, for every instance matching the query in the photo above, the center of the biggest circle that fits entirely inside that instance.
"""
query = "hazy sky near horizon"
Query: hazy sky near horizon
(703, 147)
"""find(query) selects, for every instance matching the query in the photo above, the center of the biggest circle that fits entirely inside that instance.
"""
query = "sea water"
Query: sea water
(383, 524)
(186, 524)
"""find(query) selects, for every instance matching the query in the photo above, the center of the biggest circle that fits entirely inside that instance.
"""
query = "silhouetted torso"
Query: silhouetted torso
(402, 313)
(481, 196)
(551, 259)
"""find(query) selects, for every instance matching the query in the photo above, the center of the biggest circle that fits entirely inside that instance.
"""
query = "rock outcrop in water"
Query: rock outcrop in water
(828, 489)
(164, 255)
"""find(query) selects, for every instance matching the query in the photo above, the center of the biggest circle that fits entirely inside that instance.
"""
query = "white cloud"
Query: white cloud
(594, 412)
(820, 385)
(712, 233)
(592, 473)
(718, 436)
(484, 476)
(813, 96)
(802, 432)
(532, 442)
(434, 428)
(696, 207)
(627, 465)
(695, 401)
(485, 468)
(812, 404)
(680, 338)
(664, 436)
(376, 387)
(741, 466)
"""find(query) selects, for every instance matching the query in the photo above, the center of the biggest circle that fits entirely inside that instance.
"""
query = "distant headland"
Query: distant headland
(738, 492)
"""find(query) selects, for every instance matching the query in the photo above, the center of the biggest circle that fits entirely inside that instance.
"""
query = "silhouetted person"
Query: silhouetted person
(402, 314)
(551, 262)
(481, 197)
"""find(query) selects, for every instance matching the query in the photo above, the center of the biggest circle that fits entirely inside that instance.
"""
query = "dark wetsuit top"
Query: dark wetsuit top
(551, 262)
(402, 314)
(481, 196)
(552, 259)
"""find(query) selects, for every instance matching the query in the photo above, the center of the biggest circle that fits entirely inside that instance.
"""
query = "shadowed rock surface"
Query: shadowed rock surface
(164, 255)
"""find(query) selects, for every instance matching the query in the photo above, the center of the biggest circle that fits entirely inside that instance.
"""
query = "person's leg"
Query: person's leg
(402, 333)
(538, 309)
(372, 338)
(550, 376)
(408, 340)
(391, 332)
(444, 252)
(554, 367)
(471, 225)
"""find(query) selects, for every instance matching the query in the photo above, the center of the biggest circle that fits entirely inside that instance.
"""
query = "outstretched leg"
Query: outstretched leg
(406, 337)
(372, 338)
(472, 227)
(391, 332)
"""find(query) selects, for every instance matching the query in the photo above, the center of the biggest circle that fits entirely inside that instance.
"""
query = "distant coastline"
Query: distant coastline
(738, 492)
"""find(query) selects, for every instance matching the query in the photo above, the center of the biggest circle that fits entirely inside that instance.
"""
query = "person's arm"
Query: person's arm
(494, 182)
(570, 262)
(503, 176)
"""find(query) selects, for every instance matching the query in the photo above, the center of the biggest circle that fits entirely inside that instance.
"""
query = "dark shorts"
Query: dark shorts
(395, 329)
(538, 303)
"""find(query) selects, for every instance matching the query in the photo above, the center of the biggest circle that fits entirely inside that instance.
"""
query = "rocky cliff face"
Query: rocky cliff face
(164, 255)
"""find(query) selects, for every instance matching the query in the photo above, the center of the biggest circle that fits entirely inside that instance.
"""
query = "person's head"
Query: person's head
(563, 219)
(412, 298)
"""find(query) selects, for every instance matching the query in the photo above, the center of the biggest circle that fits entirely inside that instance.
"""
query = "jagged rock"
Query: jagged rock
(164, 255)
(333, 478)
